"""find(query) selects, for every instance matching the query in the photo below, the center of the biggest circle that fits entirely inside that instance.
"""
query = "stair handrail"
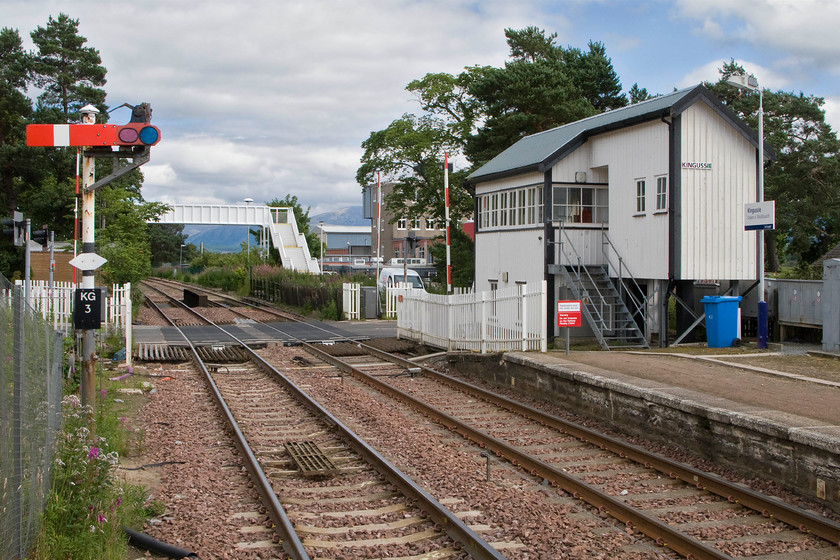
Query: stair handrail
(640, 306)
(601, 298)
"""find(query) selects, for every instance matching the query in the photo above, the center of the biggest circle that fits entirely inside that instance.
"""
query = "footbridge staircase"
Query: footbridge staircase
(276, 224)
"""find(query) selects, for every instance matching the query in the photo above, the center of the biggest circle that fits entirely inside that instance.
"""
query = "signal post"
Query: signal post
(88, 373)
(133, 141)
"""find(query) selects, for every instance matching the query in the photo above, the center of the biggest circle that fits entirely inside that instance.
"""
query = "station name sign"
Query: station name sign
(696, 165)
(760, 215)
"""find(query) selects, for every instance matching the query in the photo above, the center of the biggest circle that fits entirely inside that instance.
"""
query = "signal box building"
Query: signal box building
(621, 210)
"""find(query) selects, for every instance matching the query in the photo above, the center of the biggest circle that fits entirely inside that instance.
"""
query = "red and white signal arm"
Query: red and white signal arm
(131, 134)
(568, 313)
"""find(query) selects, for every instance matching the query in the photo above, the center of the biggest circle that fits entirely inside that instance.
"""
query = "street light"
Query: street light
(321, 231)
(248, 201)
(750, 83)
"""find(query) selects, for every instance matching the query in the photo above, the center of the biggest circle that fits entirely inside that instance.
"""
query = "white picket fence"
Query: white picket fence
(56, 306)
(512, 319)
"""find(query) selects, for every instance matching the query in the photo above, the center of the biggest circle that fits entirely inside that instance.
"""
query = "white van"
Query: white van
(389, 276)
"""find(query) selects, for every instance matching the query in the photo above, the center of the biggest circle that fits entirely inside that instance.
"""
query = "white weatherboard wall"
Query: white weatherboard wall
(623, 156)
(714, 244)
(518, 253)
(515, 250)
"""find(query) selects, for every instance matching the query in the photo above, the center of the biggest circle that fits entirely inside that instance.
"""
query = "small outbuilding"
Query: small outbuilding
(623, 210)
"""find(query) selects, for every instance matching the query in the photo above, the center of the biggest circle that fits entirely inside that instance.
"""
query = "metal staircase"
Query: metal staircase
(603, 307)
(604, 300)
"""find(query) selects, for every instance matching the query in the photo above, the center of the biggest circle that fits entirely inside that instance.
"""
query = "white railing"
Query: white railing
(513, 319)
(56, 306)
(394, 297)
(352, 299)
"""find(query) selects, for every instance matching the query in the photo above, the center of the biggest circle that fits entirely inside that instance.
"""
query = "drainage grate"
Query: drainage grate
(310, 459)
(161, 353)
(222, 354)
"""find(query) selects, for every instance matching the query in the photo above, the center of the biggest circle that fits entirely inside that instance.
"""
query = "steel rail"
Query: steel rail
(453, 526)
(282, 525)
(770, 507)
(804, 521)
(662, 533)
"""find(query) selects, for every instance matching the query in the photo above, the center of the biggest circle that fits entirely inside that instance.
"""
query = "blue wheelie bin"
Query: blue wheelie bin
(721, 320)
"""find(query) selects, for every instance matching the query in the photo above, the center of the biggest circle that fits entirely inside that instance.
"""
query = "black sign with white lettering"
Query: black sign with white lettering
(87, 308)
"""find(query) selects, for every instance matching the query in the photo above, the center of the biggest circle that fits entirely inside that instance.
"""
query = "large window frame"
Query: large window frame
(581, 204)
(521, 207)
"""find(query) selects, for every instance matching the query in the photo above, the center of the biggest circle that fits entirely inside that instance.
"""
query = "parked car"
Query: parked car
(389, 276)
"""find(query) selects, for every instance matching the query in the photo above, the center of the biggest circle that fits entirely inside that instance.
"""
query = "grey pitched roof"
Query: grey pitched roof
(540, 151)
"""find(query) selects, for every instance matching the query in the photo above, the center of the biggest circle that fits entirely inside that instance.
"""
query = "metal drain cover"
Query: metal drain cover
(310, 459)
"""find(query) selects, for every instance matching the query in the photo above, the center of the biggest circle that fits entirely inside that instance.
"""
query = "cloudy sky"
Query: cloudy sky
(264, 98)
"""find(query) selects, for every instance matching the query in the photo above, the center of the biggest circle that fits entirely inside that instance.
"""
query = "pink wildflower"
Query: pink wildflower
(93, 453)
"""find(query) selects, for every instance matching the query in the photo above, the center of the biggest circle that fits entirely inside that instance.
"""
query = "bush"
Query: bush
(88, 505)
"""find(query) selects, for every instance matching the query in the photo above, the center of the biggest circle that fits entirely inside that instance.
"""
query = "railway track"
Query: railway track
(327, 492)
(682, 509)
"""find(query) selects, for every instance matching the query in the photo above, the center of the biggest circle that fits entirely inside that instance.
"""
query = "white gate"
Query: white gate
(512, 319)
(352, 300)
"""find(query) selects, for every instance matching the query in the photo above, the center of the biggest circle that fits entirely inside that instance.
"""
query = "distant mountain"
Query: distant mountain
(349, 216)
(218, 239)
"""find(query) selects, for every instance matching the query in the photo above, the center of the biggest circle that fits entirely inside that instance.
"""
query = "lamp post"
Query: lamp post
(321, 231)
(181, 258)
(248, 201)
(751, 83)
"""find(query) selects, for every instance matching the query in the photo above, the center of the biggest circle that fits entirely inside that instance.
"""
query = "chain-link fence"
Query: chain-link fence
(30, 417)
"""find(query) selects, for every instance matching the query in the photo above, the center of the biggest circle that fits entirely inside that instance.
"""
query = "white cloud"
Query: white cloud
(803, 31)
(262, 98)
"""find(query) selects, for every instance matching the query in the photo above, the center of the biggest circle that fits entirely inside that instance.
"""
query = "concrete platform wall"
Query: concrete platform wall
(805, 459)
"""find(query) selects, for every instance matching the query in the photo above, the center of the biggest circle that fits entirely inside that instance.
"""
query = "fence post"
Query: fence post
(129, 335)
(450, 322)
(544, 316)
(16, 482)
(523, 306)
(482, 327)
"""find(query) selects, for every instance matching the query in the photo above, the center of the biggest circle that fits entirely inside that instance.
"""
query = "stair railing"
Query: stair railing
(598, 304)
(639, 305)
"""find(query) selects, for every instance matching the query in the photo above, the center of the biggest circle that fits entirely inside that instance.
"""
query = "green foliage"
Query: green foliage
(231, 279)
(543, 86)
(462, 256)
(88, 504)
(166, 240)
(479, 113)
(69, 73)
(122, 236)
(637, 94)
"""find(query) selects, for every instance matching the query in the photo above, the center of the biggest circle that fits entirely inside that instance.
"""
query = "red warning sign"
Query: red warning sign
(568, 313)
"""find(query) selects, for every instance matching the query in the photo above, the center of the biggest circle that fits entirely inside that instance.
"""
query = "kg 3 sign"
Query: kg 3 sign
(87, 308)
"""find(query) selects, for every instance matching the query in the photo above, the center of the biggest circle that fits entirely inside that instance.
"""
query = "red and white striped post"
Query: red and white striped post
(88, 377)
(446, 193)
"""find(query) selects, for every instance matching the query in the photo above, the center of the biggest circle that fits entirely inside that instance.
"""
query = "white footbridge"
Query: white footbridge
(277, 224)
